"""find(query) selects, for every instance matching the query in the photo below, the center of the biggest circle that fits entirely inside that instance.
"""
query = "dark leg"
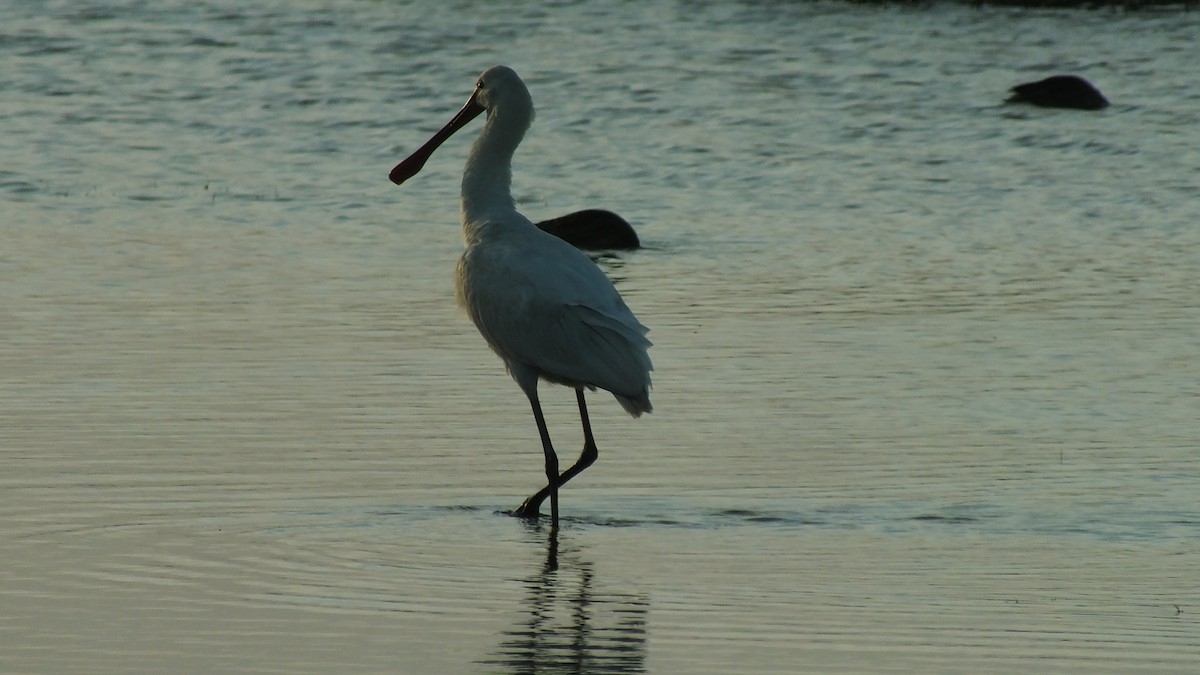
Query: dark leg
(530, 509)
(586, 458)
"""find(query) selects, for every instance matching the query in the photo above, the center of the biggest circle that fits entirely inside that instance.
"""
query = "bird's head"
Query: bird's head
(500, 92)
(499, 88)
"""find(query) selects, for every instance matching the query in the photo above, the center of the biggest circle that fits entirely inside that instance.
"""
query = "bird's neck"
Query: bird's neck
(487, 180)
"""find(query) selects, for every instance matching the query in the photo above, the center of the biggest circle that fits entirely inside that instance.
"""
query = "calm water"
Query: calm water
(927, 379)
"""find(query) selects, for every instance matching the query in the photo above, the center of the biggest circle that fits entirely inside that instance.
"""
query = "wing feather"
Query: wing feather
(542, 304)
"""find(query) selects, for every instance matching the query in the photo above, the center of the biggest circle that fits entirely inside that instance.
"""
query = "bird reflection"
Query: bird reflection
(571, 627)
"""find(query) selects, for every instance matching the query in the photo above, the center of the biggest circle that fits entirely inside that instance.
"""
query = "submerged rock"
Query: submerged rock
(593, 229)
(1060, 91)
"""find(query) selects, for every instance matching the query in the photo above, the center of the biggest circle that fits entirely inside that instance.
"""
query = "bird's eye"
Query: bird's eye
(479, 84)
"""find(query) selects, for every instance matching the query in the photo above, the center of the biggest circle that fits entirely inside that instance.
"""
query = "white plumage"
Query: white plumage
(542, 305)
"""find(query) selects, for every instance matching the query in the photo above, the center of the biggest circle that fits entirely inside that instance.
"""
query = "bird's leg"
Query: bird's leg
(590, 452)
(586, 458)
(531, 507)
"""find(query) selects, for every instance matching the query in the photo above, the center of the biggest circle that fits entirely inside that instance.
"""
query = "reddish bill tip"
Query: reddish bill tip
(408, 168)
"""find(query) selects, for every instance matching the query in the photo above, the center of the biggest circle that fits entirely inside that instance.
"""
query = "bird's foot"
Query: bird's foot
(531, 508)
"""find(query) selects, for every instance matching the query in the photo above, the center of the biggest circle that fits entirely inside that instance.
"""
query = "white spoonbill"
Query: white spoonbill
(543, 306)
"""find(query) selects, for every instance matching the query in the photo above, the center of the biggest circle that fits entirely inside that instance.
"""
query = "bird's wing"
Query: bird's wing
(550, 308)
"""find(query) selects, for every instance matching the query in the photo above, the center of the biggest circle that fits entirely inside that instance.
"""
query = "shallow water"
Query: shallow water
(926, 375)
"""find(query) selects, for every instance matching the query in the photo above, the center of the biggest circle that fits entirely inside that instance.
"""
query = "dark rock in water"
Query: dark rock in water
(593, 229)
(1060, 91)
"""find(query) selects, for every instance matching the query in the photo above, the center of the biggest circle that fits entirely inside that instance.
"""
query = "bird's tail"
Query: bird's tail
(636, 405)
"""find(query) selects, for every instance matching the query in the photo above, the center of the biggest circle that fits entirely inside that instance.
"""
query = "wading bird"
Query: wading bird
(543, 306)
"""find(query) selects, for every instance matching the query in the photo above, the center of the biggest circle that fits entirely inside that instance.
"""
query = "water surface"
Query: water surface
(926, 375)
